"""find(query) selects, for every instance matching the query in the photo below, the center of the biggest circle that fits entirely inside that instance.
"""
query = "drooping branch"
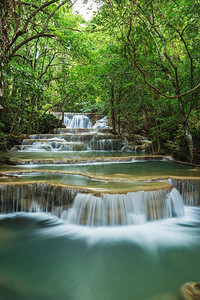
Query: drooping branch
(23, 57)
(156, 89)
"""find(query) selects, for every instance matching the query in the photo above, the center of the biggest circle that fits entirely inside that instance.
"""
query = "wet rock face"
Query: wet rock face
(190, 291)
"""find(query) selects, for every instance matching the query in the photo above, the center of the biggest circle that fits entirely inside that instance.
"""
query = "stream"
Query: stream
(96, 223)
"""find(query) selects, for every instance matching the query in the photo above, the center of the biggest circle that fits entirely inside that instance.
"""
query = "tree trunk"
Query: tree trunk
(112, 108)
(118, 113)
(190, 141)
(63, 115)
(30, 123)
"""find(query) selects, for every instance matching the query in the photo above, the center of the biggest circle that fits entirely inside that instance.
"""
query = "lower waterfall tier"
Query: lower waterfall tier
(77, 206)
(125, 209)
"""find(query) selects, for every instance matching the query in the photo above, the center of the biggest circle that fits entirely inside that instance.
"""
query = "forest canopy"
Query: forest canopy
(135, 61)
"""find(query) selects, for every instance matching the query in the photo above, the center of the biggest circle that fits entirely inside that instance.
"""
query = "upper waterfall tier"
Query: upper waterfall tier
(75, 120)
(77, 136)
(84, 121)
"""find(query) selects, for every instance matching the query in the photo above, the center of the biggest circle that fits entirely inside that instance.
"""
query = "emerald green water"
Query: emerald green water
(43, 258)
(84, 182)
(146, 168)
(67, 154)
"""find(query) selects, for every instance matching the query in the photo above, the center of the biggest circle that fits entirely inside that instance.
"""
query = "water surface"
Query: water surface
(116, 169)
(43, 258)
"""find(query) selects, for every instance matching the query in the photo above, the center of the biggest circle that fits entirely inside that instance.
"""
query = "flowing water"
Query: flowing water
(96, 225)
(44, 258)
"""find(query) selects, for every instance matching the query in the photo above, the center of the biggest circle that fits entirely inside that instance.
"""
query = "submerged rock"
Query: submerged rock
(190, 291)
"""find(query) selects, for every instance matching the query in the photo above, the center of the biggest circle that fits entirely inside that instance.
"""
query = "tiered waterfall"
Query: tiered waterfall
(82, 204)
(79, 135)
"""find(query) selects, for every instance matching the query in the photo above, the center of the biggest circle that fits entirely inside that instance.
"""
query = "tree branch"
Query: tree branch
(24, 29)
(27, 41)
(34, 6)
(48, 65)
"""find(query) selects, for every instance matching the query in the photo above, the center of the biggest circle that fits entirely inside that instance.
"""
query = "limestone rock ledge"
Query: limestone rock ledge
(190, 291)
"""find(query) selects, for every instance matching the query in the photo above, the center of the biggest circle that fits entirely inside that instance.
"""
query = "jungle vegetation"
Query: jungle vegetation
(136, 61)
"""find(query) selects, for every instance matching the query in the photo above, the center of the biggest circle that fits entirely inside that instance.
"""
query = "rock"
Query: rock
(190, 291)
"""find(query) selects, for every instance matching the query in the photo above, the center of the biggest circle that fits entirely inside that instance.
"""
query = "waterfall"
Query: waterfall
(80, 121)
(78, 208)
(101, 124)
(189, 190)
(35, 197)
(77, 136)
(72, 120)
(125, 209)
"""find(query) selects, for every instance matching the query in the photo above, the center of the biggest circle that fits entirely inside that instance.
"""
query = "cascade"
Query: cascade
(101, 124)
(35, 197)
(85, 208)
(79, 135)
(125, 209)
(75, 120)
(189, 190)
(79, 205)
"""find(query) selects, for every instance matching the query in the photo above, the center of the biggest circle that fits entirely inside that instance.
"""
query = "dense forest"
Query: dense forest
(135, 61)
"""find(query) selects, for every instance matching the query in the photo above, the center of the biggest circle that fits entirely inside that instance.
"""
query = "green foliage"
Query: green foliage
(121, 63)
(48, 122)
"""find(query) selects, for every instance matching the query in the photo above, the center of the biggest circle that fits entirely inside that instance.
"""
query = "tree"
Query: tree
(28, 38)
(160, 41)
(21, 23)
